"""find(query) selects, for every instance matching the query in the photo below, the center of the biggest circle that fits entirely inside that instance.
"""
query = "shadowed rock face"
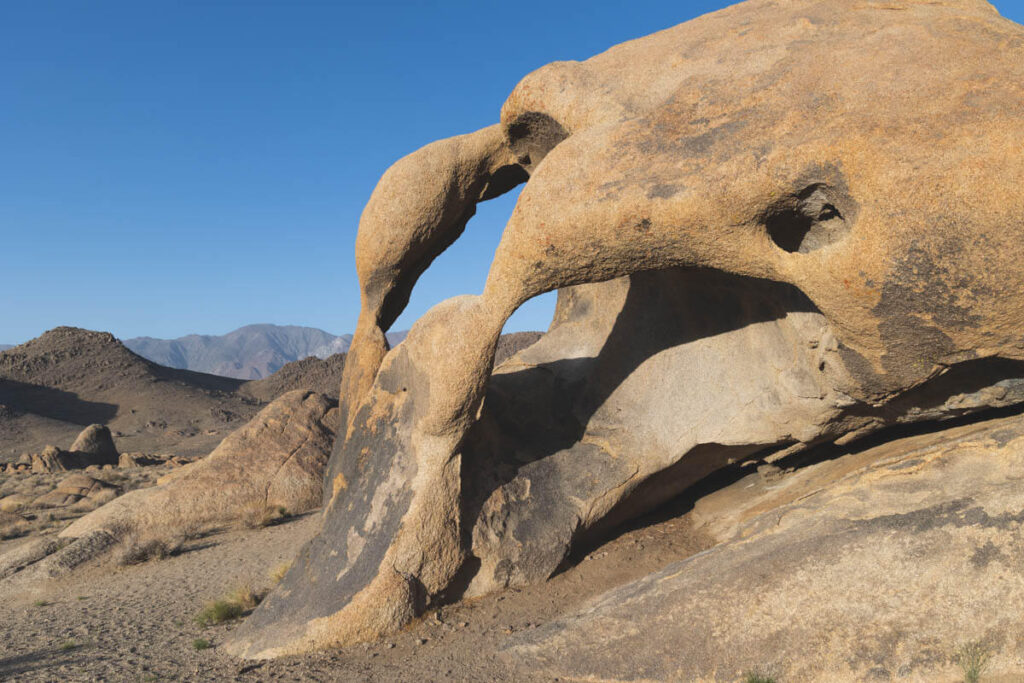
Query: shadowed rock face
(775, 225)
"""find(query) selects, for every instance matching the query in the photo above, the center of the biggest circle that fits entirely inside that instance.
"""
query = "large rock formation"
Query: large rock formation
(774, 226)
(275, 461)
(877, 566)
(272, 465)
(95, 445)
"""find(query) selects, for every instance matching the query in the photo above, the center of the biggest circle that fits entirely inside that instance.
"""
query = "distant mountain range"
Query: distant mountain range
(250, 352)
(4, 347)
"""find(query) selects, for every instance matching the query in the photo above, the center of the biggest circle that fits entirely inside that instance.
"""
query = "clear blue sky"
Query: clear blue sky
(177, 167)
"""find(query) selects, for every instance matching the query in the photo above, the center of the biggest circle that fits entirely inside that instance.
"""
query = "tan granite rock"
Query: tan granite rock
(773, 226)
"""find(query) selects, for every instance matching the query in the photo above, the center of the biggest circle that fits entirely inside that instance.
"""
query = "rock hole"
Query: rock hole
(806, 221)
(532, 135)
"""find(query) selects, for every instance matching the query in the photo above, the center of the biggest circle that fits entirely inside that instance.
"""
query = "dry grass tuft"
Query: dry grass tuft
(258, 515)
(232, 606)
(136, 547)
(13, 525)
(91, 503)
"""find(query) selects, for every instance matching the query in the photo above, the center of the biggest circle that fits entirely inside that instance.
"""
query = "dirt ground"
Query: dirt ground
(136, 623)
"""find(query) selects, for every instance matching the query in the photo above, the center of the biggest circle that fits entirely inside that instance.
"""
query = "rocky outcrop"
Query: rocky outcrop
(95, 446)
(52, 459)
(274, 462)
(746, 267)
(875, 566)
(272, 466)
(74, 489)
(131, 460)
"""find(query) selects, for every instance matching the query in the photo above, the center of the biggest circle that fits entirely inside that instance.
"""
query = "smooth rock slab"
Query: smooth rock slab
(877, 564)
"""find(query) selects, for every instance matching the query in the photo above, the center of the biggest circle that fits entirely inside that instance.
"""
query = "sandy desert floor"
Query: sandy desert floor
(136, 623)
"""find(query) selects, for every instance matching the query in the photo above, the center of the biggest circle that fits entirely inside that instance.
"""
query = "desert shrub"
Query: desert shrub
(246, 597)
(136, 548)
(218, 611)
(758, 677)
(230, 607)
(973, 658)
(201, 644)
(258, 515)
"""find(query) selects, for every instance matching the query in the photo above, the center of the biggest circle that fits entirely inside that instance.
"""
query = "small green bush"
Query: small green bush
(758, 677)
(973, 658)
(219, 611)
(201, 644)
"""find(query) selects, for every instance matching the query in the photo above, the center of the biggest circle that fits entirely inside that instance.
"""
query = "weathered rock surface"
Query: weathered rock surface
(73, 489)
(875, 566)
(748, 266)
(51, 459)
(95, 445)
(275, 461)
(15, 502)
(27, 554)
(129, 460)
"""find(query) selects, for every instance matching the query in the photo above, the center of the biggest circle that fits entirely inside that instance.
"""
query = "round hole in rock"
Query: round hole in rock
(805, 222)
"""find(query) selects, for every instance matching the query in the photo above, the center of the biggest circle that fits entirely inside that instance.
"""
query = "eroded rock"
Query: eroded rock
(747, 267)
(275, 461)
(73, 489)
(95, 446)
(874, 566)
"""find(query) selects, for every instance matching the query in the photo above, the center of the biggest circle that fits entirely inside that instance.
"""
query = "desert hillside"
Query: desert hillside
(67, 378)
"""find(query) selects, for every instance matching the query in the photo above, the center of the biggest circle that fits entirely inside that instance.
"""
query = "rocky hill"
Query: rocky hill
(322, 375)
(250, 352)
(67, 378)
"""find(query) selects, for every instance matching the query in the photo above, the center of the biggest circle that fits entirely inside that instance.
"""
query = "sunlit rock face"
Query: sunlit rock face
(776, 225)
